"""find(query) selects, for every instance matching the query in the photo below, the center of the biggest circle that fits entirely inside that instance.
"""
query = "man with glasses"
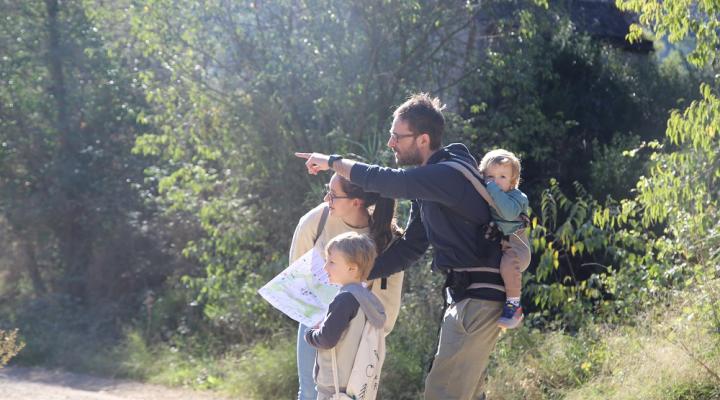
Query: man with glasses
(448, 213)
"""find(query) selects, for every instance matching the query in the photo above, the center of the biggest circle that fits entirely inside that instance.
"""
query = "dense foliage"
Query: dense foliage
(75, 224)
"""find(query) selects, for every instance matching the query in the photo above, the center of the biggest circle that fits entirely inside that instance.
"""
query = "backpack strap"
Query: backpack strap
(473, 175)
(336, 381)
(321, 224)
(383, 281)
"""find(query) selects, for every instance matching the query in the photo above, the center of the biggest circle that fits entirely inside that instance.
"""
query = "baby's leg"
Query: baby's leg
(515, 260)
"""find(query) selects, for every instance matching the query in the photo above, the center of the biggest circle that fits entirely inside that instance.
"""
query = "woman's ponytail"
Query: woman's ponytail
(382, 223)
(382, 220)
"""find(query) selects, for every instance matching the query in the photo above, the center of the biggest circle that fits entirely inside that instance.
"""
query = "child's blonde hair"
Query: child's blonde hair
(357, 249)
(502, 157)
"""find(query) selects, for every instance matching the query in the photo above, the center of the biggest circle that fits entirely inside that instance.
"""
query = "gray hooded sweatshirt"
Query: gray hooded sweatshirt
(342, 329)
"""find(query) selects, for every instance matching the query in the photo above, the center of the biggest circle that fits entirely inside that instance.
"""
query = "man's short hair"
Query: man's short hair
(423, 114)
(357, 249)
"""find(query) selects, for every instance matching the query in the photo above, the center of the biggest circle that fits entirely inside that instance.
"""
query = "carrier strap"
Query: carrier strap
(321, 224)
(336, 381)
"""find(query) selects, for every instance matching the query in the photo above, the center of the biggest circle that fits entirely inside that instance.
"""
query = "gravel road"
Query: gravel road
(41, 384)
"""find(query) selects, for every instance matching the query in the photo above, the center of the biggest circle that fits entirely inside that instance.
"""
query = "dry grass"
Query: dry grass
(670, 353)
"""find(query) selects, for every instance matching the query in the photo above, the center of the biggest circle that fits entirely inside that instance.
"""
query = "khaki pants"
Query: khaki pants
(468, 336)
(515, 260)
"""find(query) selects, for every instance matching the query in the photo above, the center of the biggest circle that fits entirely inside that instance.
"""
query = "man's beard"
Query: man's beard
(409, 158)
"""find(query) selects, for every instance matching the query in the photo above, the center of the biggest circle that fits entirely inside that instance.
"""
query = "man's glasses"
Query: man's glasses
(395, 137)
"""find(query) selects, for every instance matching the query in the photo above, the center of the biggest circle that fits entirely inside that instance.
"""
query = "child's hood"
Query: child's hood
(369, 303)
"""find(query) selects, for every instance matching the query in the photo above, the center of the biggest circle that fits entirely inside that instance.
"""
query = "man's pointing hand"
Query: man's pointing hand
(316, 162)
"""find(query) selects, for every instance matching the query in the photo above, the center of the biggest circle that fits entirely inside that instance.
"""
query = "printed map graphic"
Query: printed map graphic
(302, 291)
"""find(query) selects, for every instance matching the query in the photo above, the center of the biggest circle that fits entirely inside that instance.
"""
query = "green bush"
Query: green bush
(413, 341)
(693, 391)
(9, 346)
(60, 332)
(532, 364)
(266, 371)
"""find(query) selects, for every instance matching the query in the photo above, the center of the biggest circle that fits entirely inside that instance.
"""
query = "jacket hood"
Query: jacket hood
(453, 150)
(369, 303)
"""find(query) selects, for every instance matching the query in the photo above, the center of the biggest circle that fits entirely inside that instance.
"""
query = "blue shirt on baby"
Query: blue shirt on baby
(509, 206)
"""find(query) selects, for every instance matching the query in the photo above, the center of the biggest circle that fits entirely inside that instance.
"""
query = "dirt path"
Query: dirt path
(42, 384)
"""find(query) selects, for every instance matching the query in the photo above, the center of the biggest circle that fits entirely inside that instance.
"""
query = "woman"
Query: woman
(349, 210)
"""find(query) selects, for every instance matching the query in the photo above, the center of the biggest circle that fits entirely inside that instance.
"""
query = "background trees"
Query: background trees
(72, 218)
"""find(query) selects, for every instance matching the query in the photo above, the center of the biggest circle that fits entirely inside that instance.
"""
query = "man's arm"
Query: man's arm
(405, 251)
(432, 182)
(435, 182)
(317, 162)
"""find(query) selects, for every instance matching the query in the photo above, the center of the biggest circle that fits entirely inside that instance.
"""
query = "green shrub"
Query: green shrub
(413, 341)
(670, 353)
(530, 364)
(135, 357)
(265, 371)
(58, 332)
(187, 361)
(693, 391)
(9, 346)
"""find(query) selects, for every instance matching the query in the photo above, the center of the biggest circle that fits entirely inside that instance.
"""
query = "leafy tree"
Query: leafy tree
(681, 189)
(236, 87)
(667, 236)
(696, 20)
(567, 104)
(67, 124)
(594, 261)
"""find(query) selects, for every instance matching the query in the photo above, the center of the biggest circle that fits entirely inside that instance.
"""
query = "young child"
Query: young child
(349, 259)
(501, 171)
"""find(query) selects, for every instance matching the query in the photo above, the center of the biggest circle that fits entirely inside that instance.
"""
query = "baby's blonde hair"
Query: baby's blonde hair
(502, 157)
(357, 249)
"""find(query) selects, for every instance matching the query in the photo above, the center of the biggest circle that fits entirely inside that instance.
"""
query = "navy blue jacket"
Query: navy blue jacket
(446, 212)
